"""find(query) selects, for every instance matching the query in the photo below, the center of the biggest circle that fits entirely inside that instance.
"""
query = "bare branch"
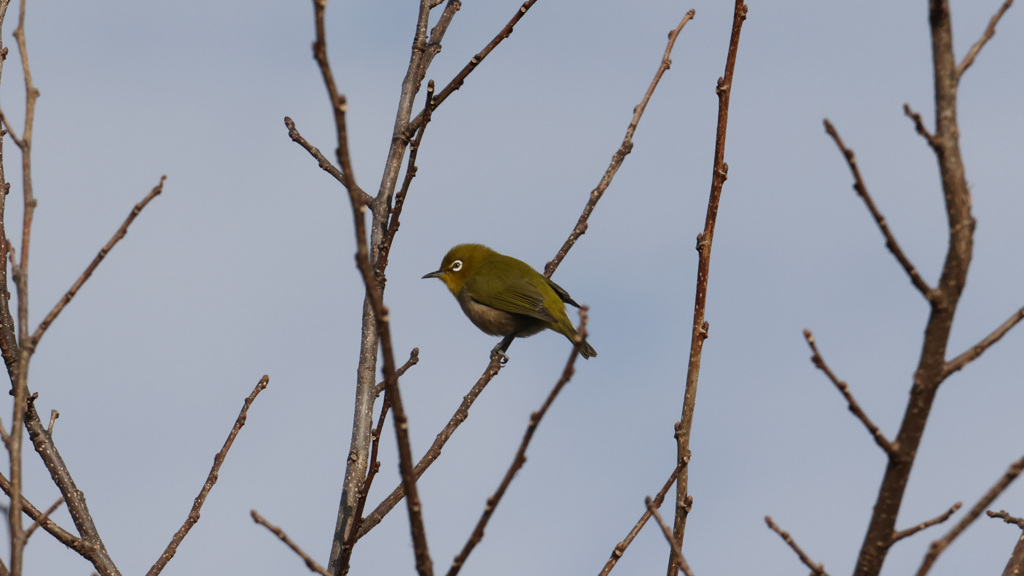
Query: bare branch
(990, 31)
(211, 479)
(676, 551)
(1005, 517)
(321, 160)
(456, 82)
(90, 546)
(620, 548)
(816, 569)
(63, 536)
(890, 240)
(42, 519)
(312, 564)
(460, 416)
(414, 358)
(919, 125)
(59, 307)
(937, 520)
(975, 351)
(844, 389)
(520, 457)
(941, 544)
(699, 326)
(620, 155)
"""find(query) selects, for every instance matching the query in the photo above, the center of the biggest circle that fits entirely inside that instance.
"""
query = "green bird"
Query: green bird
(504, 296)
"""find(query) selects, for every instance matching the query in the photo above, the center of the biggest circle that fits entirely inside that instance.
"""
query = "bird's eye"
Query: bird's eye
(457, 265)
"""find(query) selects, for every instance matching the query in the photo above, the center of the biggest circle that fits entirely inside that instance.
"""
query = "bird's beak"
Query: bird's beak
(436, 274)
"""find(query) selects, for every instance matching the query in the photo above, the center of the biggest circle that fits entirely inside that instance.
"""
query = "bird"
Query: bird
(504, 296)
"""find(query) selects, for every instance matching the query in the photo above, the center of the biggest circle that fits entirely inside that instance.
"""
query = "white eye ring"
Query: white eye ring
(456, 266)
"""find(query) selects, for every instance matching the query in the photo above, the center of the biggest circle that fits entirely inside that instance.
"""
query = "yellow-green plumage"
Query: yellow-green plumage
(504, 296)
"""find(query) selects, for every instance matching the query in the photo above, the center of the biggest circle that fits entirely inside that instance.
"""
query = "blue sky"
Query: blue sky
(244, 267)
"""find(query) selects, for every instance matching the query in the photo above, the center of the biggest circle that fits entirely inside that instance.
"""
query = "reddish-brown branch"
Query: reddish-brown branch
(699, 326)
(620, 548)
(816, 569)
(941, 544)
(60, 534)
(310, 563)
(211, 479)
(978, 349)
(520, 457)
(844, 389)
(896, 537)
(883, 225)
(620, 155)
(59, 307)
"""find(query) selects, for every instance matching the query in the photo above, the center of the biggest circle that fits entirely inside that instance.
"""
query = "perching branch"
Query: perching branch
(883, 225)
(460, 416)
(816, 569)
(520, 457)
(699, 326)
(211, 479)
(844, 389)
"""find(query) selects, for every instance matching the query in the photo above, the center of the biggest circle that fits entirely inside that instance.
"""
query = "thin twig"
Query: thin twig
(53, 419)
(990, 31)
(321, 160)
(620, 155)
(414, 358)
(42, 519)
(676, 551)
(883, 225)
(816, 569)
(456, 82)
(211, 479)
(1005, 517)
(312, 564)
(844, 389)
(937, 520)
(941, 544)
(59, 307)
(975, 351)
(460, 416)
(620, 548)
(921, 129)
(520, 457)
(699, 325)
(60, 534)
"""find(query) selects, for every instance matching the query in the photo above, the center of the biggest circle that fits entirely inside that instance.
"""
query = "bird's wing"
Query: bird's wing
(562, 293)
(512, 295)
